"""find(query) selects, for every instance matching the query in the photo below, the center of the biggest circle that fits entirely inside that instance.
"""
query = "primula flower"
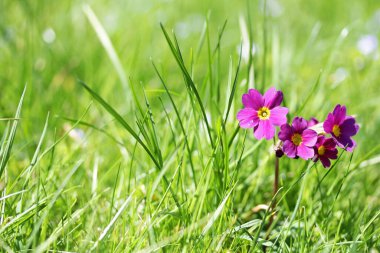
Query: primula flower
(262, 113)
(298, 140)
(325, 149)
(341, 127)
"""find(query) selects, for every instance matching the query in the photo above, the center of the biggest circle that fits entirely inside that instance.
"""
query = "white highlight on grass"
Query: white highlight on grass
(11, 195)
(18, 217)
(339, 76)
(48, 35)
(76, 134)
(372, 161)
(273, 7)
(217, 212)
(246, 49)
(190, 25)
(252, 225)
(367, 44)
(344, 32)
(109, 226)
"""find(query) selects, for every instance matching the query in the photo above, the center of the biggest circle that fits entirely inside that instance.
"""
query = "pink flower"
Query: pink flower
(298, 140)
(312, 122)
(262, 113)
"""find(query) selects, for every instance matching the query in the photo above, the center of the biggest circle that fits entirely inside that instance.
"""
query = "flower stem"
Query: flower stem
(275, 189)
(274, 202)
(275, 183)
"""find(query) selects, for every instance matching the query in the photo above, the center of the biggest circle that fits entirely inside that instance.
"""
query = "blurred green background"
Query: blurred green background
(50, 45)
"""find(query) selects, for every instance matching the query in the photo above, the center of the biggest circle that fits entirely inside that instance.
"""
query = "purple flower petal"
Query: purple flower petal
(278, 115)
(329, 143)
(285, 133)
(248, 118)
(299, 124)
(265, 130)
(352, 147)
(357, 128)
(329, 123)
(309, 137)
(325, 161)
(339, 114)
(320, 140)
(272, 98)
(336, 109)
(345, 142)
(348, 127)
(331, 153)
(305, 152)
(289, 149)
(329, 150)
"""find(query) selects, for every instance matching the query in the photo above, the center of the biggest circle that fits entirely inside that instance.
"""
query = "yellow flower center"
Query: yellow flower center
(263, 113)
(321, 150)
(336, 130)
(297, 139)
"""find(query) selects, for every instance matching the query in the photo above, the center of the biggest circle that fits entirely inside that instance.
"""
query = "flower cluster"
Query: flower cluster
(298, 139)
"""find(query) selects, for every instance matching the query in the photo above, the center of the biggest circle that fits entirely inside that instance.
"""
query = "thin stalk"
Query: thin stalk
(274, 202)
(275, 183)
(275, 188)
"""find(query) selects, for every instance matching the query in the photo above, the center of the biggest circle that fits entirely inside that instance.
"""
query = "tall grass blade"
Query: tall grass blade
(233, 88)
(7, 150)
(180, 123)
(119, 119)
(107, 44)
(178, 57)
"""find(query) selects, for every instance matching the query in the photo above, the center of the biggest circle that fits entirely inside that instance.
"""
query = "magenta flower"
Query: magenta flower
(298, 140)
(262, 113)
(341, 127)
(312, 122)
(325, 149)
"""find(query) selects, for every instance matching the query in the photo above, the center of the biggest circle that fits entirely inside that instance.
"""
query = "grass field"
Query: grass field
(120, 135)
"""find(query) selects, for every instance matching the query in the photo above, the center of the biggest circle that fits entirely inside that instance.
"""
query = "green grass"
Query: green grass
(126, 138)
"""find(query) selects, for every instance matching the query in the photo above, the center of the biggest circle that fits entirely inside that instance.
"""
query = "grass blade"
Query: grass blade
(233, 88)
(177, 55)
(7, 150)
(120, 119)
(109, 226)
(107, 44)
(217, 212)
(180, 123)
